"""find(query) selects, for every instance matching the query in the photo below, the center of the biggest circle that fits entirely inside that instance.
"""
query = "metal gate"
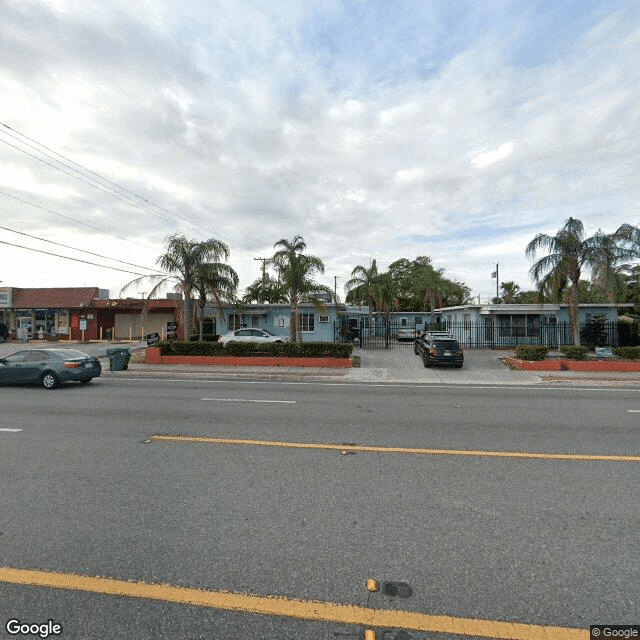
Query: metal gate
(380, 335)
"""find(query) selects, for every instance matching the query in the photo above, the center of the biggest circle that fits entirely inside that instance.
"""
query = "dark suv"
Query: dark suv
(4, 332)
(439, 347)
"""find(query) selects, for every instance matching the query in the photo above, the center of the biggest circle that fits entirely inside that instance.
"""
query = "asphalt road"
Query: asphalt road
(87, 490)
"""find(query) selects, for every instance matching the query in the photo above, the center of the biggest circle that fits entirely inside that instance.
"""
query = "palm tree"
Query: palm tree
(570, 252)
(361, 287)
(296, 272)
(216, 281)
(183, 263)
(265, 289)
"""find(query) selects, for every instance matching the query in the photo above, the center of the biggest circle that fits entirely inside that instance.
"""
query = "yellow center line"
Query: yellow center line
(407, 450)
(292, 608)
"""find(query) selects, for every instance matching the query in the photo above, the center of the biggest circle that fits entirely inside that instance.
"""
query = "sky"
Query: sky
(378, 130)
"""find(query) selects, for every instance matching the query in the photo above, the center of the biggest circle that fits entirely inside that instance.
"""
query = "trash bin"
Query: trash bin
(108, 334)
(119, 359)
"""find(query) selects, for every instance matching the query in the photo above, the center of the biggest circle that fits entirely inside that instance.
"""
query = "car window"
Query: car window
(36, 356)
(257, 332)
(16, 357)
(243, 332)
(445, 344)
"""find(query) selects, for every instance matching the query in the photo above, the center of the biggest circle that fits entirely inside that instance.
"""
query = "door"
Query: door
(12, 368)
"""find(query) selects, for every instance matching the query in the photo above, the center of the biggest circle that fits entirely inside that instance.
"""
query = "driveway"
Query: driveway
(481, 366)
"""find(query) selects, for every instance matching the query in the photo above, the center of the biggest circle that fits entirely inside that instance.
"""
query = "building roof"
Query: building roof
(54, 298)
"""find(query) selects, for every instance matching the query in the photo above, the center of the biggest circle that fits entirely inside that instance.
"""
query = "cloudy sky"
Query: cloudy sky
(373, 128)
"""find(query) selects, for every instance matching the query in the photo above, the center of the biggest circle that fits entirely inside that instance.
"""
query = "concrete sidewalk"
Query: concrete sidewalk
(398, 365)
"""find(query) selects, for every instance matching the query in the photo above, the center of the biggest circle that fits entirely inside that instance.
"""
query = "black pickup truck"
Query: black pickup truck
(438, 347)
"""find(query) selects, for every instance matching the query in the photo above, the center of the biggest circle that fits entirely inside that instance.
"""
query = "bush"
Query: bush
(283, 349)
(531, 352)
(206, 337)
(594, 333)
(182, 348)
(628, 353)
(574, 353)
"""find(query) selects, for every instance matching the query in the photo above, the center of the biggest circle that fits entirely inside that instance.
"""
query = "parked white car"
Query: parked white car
(251, 335)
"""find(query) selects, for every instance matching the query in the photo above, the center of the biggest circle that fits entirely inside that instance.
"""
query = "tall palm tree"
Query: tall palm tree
(183, 265)
(296, 271)
(215, 281)
(361, 287)
(570, 252)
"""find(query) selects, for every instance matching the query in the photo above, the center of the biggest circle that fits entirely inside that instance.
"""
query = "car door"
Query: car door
(34, 364)
(243, 335)
(12, 367)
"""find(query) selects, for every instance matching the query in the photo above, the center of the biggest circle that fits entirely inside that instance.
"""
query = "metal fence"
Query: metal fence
(487, 334)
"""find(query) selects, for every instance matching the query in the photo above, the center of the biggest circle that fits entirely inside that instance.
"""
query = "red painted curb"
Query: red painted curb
(574, 365)
(153, 357)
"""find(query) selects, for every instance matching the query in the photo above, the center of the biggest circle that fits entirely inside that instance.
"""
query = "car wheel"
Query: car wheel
(425, 361)
(49, 380)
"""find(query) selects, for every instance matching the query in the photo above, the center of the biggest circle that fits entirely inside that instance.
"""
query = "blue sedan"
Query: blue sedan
(49, 367)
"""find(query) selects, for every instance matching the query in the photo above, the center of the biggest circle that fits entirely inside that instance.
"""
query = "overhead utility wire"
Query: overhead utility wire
(66, 246)
(83, 171)
(95, 186)
(104, 266)
(86, 224)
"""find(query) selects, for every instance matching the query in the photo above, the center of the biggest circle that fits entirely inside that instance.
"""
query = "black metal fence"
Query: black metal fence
(488, 334)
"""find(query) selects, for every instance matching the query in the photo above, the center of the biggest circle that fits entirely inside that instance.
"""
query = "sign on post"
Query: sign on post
(172, 328)
(152, 338)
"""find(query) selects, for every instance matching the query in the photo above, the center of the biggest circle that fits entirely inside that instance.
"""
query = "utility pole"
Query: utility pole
(335, 291)
(496, 275)
(264, 269)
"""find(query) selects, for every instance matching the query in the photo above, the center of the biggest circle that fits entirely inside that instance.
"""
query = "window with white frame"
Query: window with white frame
(307, 322)
(235, 321)
(324, 318)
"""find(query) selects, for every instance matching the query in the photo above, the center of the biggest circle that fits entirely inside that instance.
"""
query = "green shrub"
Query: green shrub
(283, 349)
(628, 353)
(182, 348)
(531, 352)
(206, 337)
(574, 353)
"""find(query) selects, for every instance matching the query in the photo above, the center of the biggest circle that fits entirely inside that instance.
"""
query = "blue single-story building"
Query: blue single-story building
(513, 324)
(317, 324)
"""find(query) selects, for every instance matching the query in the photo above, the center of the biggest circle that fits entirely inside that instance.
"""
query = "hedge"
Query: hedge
(531, 352)
(285, 349)
(627, 353)
(574, 353)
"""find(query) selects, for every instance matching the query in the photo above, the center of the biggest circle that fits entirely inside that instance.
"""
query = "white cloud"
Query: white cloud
(373, 133)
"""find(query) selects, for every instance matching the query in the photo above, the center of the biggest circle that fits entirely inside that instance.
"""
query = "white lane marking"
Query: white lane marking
(245, 400)
(9, 430)
(633, 410)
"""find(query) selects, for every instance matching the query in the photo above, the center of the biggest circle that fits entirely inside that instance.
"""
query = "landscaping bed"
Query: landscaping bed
(571, 358)
(248, 354)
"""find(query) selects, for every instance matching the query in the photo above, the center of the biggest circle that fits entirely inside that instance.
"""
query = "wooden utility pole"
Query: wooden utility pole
(264, 269)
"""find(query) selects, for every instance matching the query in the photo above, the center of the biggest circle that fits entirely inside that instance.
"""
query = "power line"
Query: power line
(59, 244)
(94, 264)
(85, 224)
(98, 182)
